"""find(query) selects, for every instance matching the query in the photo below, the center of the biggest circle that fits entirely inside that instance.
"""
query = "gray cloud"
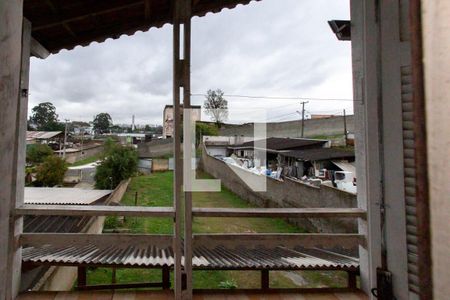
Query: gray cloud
(263, 48)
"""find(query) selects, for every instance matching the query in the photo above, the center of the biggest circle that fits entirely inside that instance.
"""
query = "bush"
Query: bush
(202, 129)
(119, 163)
(51, 171)
(228, 284)
(37, 153)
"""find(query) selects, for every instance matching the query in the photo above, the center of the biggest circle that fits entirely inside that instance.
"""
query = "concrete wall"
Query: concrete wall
(156, 148)
(160, 165)
(287, 193)
(145, 166)
(314, 127)
(436, 16)
(75, 156)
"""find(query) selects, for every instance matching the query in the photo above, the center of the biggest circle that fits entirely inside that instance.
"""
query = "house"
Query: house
(272, 146)
(332, 166)
(290, 157)
(84, 130)
(311, 162)
(168, 122)
(44, 137)
(132, 138)
(219, 146)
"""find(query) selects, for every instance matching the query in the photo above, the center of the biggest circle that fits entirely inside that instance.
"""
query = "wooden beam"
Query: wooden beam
(326, 240)
(147, 9)
(81, 277)
(186, 79)
(279, 212)
(166, 278)
(37, 50)
(265, 282)
(56, 11)
(101, 240)
(351, 279)
(178, 171)
(120, 286)
(94, 210)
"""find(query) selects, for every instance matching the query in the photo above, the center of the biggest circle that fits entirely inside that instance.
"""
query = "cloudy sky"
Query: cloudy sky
(264, 49)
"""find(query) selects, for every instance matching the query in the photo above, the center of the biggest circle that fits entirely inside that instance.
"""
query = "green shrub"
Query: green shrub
(37, 153)
(203, 129)
(228, 284)
(111, 222)
(51, 171)
(119, 163)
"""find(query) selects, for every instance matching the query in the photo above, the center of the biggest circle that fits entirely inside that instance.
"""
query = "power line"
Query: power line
(281, 116)
(280, 97)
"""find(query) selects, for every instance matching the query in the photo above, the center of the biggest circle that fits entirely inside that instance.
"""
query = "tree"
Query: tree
(51, 171)
(216, 106)
(44, 117)
(202, 129)
(119, 163)
(37, 153)
(102, 122)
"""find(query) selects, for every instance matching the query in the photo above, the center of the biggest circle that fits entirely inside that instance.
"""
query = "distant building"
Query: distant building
(44, 137)
(313, 117)
(131, 138)
(83, 130)
(168, 124)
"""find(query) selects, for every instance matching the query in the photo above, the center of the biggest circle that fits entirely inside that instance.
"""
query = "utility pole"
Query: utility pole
(82, 141)
(65, 140)
(345, 129)
(303, 116)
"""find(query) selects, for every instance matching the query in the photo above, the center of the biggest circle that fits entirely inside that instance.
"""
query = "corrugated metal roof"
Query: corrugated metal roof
(41, 135)
(275, 143)
(278, 258)
(66, 224)
(63, 196)
(61, 24)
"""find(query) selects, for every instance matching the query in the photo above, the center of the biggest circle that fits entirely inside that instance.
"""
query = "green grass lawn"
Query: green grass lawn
(156, 190)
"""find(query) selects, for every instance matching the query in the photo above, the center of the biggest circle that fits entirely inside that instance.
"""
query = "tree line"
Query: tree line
(44, 118)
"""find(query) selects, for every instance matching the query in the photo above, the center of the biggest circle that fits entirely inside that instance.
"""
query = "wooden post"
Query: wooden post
(113, 277)
(187, 194)
(81, 279)
(265, 279)
(166, 278)
(178, 171)
(351, 281)
(15, 35)
(345, 129)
